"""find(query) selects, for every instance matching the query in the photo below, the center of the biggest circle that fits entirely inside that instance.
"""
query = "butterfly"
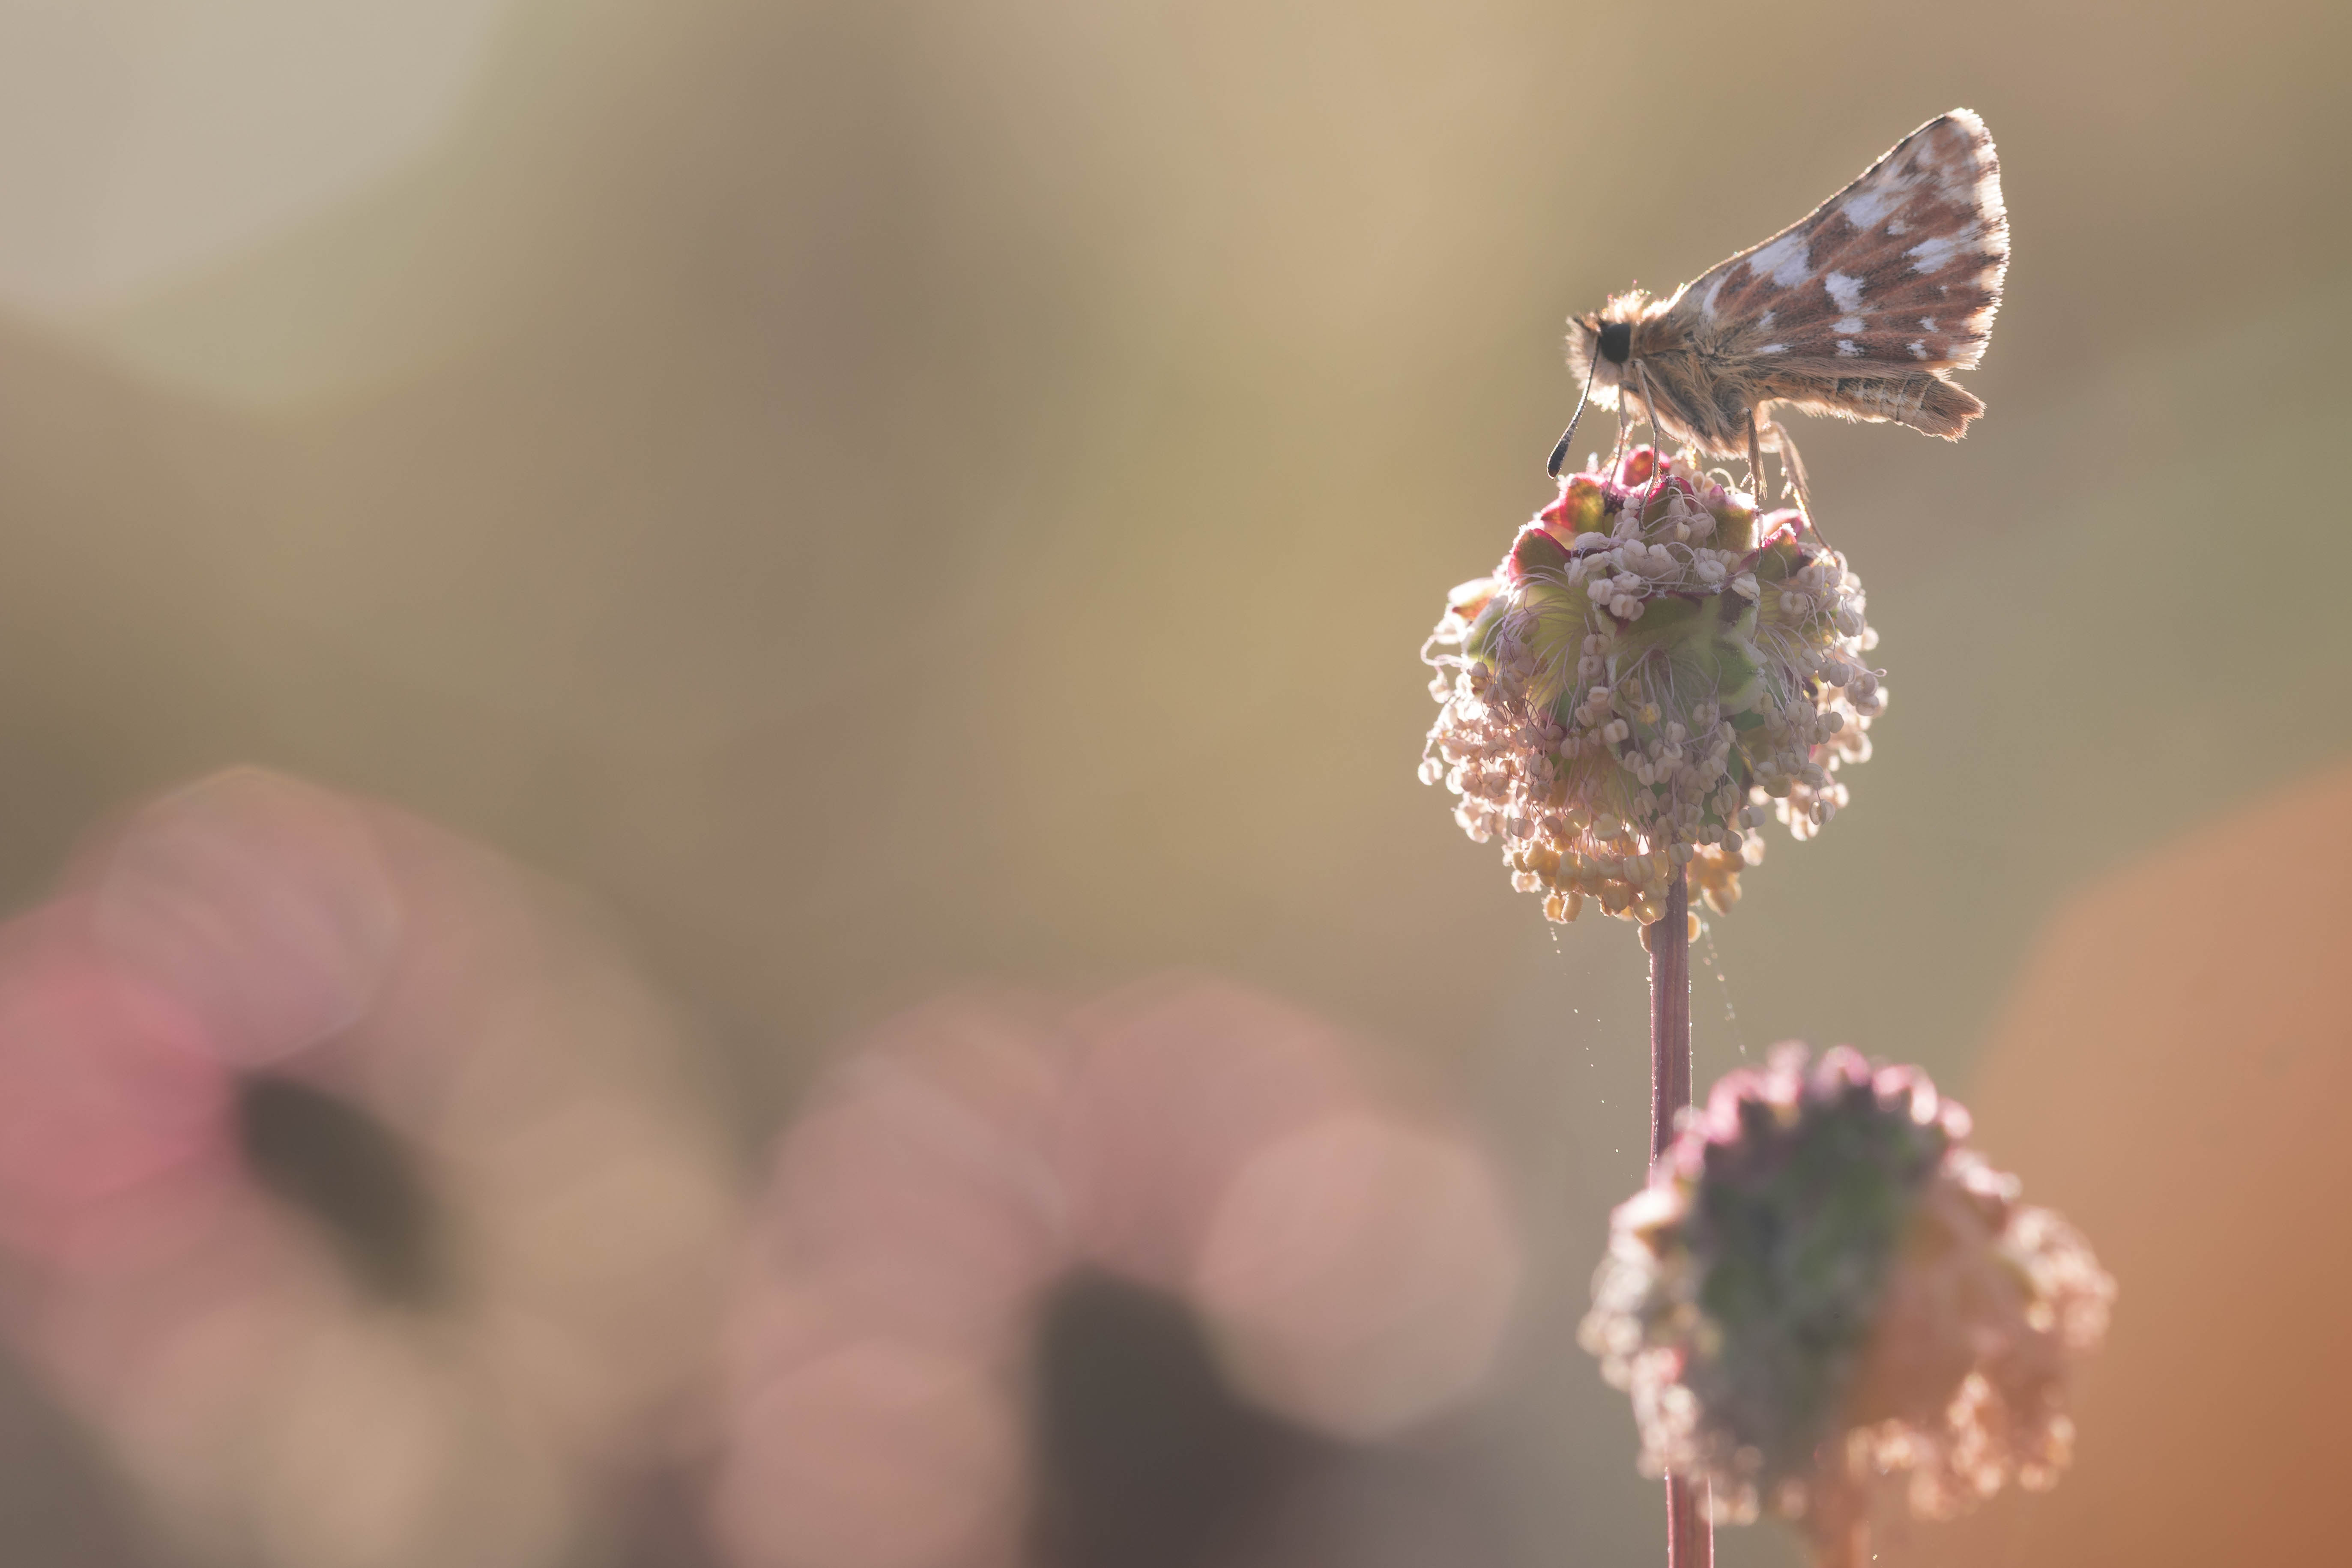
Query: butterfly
(1862, 311)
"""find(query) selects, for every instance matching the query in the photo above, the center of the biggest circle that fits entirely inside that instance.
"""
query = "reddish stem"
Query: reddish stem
(1670, 1049)
(1839, 1526)
(1690, 1541)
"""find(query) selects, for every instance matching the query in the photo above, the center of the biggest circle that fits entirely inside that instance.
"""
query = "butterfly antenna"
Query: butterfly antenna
(1559, 453)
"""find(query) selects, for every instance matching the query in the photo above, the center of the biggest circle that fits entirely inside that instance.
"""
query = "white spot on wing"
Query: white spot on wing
(1765, 320)
(1896, 227)
(1935, 252)
(1773, 349)
(1927, 322)
(1848, 324)
(1919, 350)
(1932, 255)
(1848, 348)
(1706, 300)
(1866, 207)
(1783, 260)
(1845, 289)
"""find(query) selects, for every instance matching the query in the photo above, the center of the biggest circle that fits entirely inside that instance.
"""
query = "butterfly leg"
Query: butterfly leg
(1792, 470)
(1755, 459)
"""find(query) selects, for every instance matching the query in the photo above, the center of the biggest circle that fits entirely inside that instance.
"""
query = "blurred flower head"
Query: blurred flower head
(347, 1190)
(1347, 1263)
(1651, 672)
(1821, 1289)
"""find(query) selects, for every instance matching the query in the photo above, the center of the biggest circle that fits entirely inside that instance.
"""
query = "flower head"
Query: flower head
(1651, 671)
(1821, 1288)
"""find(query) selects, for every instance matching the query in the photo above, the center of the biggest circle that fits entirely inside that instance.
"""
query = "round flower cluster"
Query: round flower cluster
(1821, 1288)
(1651, 672)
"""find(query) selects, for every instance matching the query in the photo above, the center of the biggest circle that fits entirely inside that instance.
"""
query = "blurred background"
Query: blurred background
(864, 499)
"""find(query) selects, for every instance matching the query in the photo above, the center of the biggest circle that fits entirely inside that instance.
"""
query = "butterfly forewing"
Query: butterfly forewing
(1898, 273)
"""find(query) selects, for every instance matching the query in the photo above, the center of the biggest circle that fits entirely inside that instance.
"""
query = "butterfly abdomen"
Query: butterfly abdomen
(1927, 404)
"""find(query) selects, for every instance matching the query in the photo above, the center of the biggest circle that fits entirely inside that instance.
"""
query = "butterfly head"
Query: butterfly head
(1601, 343)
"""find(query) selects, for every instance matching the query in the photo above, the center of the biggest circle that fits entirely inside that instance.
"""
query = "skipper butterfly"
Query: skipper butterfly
(1862, 311)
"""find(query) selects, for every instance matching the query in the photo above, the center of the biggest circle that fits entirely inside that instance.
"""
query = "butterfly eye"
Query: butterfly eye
(1617, 342)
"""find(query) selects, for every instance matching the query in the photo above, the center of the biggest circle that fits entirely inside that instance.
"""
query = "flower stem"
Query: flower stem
(1670, 1049)
(1840, 1527)
(1690, 1541)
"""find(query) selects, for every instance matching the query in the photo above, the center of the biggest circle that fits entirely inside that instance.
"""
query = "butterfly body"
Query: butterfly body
(1862, 311)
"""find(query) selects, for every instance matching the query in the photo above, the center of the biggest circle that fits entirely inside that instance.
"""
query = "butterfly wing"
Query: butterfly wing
(1891, 282)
